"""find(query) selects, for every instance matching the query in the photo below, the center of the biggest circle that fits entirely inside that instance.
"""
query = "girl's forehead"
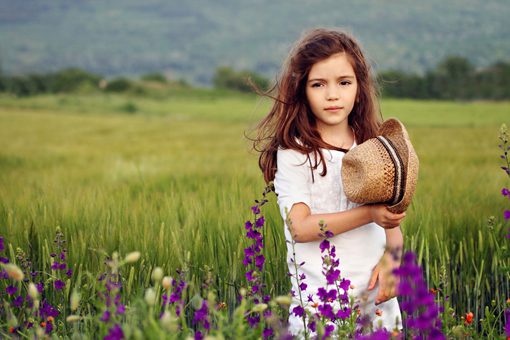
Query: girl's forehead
(338, 64)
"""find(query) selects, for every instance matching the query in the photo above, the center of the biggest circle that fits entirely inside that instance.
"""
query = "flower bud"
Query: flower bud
(150, 296)
(283, 300)
(166, 282)
(14, 272)
(73, 318)
(75, 300)
(132, 257)
(32, 291)
(157, 274)
(259, 308)
(168, 321)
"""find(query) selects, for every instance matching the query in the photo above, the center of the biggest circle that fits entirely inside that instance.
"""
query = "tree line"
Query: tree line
(455, 78)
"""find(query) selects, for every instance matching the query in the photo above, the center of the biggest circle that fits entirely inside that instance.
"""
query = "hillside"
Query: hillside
(189, 39)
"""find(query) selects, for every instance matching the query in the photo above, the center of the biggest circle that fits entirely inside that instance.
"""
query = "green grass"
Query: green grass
(177, 177)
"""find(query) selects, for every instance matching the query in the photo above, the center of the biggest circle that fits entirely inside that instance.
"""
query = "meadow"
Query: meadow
(174, 177)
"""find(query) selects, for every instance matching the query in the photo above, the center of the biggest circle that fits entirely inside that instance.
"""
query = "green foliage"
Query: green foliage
(227, 78)
(158, 77)
(454, 78)
(118, 85)
(185, 178)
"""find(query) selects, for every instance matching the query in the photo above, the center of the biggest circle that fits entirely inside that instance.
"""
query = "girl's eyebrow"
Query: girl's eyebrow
(322, 79)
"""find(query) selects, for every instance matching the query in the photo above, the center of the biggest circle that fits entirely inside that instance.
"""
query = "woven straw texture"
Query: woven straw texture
(368, 172)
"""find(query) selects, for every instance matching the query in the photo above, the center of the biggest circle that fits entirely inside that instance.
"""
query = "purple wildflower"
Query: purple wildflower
(47, 310)
(422, 312)
(18, 301)
(59, 284)
(121, 309)
(380, 334)
(200, 316)
(106, 316)
(255, 209)
(298, 311)
(506, 214)
(267, 333)
(2, 245)
(259, 261)
(198, 335)
(115, 333)
(328, 329)
(259, 222)
(49, 327)
(505, 192)
(253, 320)
(4, 259)
(69, 272)
(11, 290)
(507, 323)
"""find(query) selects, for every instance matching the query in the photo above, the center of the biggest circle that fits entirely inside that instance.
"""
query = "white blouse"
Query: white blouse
(358, 250)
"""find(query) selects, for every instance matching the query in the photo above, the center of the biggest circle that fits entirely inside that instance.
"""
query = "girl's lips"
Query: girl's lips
(333, 108)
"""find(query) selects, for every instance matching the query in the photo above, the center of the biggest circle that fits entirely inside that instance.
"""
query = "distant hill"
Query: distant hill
(190, 39)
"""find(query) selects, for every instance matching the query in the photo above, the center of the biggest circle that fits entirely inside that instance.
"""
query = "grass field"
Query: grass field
(175, 178)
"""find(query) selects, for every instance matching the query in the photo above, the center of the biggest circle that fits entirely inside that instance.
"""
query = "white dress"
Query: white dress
(358, 250)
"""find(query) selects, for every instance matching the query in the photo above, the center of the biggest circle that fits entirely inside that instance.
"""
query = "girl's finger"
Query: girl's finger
(373, 278)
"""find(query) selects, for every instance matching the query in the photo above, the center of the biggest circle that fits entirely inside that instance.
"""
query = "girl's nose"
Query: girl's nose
(332, 94)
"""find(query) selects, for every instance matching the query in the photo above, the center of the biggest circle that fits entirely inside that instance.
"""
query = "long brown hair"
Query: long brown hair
(290, 124)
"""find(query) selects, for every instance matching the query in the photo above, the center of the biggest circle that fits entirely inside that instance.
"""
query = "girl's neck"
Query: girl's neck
(340, 136)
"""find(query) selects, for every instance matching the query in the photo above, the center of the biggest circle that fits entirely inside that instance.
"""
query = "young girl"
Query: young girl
(325, 105)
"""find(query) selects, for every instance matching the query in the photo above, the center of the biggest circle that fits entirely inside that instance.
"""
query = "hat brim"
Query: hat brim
(396, 131)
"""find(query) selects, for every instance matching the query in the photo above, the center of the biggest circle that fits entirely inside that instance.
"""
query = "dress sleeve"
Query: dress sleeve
(292, 180)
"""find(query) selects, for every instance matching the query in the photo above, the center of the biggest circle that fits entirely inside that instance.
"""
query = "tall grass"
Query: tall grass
(176, 179)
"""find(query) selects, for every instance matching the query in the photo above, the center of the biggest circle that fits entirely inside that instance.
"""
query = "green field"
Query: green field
(174, 177)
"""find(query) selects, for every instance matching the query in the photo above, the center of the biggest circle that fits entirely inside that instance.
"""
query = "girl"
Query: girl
(325, 105)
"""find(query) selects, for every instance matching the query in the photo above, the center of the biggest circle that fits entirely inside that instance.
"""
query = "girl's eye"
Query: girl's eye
(345, 82)
(316, 84)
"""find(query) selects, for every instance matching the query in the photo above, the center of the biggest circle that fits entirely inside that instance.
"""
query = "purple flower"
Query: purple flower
(324, 245)
(505, 192)
(121, 309)
(507, 323)
(106, 316)
(259, 261)
(18, 301)
(248, 225)
(11, 290)
(328, 329)
(267, 333)
(47, 310)
(59, 284)
(298, 311)
(62, 256)
(69, 272)
(327, 311)
(249, 275)
(506, 215)
(255, 209)
(115, 333)
(332, 276)
(380, 334)
(2, 246)
(259, 222)
(198, 335)
(422, 312)
(303, 286)
(253, 320)
(201, 314)
(49, 327)
(4, 259)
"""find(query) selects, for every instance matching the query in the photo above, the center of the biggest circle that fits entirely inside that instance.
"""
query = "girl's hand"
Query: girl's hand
(388, 282)
(385, 218)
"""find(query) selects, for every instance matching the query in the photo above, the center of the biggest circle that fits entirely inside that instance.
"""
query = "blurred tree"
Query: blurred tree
(155, 77)
(227, 78)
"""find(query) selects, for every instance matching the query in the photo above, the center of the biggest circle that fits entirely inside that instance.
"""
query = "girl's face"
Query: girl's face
(331, 90)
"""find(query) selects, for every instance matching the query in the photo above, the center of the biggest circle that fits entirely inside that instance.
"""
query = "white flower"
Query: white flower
(132, 257)
(157, 274)
(150, 296)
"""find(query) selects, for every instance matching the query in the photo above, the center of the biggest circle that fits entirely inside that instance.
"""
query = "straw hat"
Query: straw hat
(383, 169)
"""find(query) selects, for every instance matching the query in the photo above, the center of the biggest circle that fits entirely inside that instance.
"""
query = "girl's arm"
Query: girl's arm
(383, 271)
(305, 225)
